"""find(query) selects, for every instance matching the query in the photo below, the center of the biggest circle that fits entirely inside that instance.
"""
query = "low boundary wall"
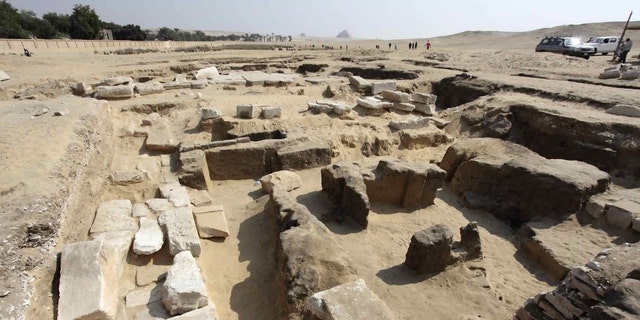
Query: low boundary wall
(40, 45)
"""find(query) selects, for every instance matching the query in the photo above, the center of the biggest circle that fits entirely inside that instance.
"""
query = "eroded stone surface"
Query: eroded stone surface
(181, 231)
(288, 180)
(430, 250)
(113, 215)
(349, 301)
(149, 238)
(184, 290)
(211, 221)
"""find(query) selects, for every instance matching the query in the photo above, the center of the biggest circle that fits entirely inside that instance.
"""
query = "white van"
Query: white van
(604, 45)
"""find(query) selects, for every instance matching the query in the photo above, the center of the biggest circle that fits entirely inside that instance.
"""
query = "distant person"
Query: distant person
(410, 45)
(389, 45)
(395, 46)
(26, 52)
(415, 45)
(624, 50)
(428, 45)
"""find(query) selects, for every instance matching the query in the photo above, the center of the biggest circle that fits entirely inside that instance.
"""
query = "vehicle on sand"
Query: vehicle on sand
(570, 46)
(604, 45)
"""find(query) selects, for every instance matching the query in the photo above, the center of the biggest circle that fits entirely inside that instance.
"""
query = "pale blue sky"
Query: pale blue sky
(379, 19)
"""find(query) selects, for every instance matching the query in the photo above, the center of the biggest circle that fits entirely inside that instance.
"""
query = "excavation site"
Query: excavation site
(318, 180)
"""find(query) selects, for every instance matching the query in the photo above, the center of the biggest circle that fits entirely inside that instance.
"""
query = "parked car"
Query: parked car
(566, 45)
(604, 45)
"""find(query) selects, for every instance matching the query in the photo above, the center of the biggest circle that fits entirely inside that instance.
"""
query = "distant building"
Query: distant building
(106, 34)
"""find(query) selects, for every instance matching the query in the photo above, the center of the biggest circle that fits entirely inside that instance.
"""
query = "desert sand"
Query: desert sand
(55, 172)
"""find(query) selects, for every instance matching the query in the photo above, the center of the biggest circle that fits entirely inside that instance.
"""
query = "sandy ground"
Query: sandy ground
(239, 271)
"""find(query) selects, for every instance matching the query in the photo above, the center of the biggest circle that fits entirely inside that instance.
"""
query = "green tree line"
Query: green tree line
(84, 23)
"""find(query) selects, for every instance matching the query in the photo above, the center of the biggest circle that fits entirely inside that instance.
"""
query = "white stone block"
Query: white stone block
(143, 296)
(114, 215)
(184, 289)
(211, 221)
(149, 238)
(176, 194)
(350, 301)
(114, 92)
(210, 113)
(379, 86)
(180, 229)
(413, 123)
(207, 73)
(248, 111)
(159, 205)
(271, 112)
(148, 88)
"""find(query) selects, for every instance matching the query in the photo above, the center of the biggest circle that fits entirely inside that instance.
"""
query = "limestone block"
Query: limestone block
(620, 214)
(414, 139)
(439, 122)
(79, 89)
(209, 313)
(114, 81)
(350, 301)
(158, 205)
(177, 85)
(373, 103)
(630, 74)
(625, 110)
(304, 156)
(148, 88)
(143, 296)
(184, 289)
(427, 109)
(153, 311)
(337, 107)
(151, 119)
(319, 108)
(248, 111)
(563, 305)
(88, 290)
(161, 139)
(211, 221)
(425, 98)
(125, 178)
(596, 207)
(175, 193)
(206, 73)
(404, 106)
(210, 113)
(140, 210)
(379, 86)
(396, 96)
(609, 74)
(149, 238)
(180, 78)
(413, 123)
(114, 215)
(430, 250)
(271, 112)
(114, 92)
(359, 82)
(228, 79)
(119, 243)
(285, 179)
(199, 84)
(194, 171)
(181, 231)
(199, 198)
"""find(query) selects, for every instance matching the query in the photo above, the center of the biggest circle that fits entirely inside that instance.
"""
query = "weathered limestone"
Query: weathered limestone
(151, 273)
(609, 291)
(403, 106)
(180, 228)
(199, 198)
(359, 83)
(412, 123)
(379, 86)
(518, 184)
(304, 156)
(87, 277)
(125, 178)
(184, 290)
(194, 172)
(470, 240)
(206, 73)
(285, 179)
(621, 213)
(317, 108)
(211, 221)
(114, 92)
(151, 119)
(424, 98)
(351, 186)
(625, 110)
(396, 96)
(140, 210)
(248, 111)
(158, 205)
(149, 238)
(209, 313)
(177, 85)
(228, 79)
(631, 74)
(271, 112)
(115, 81)
(80, 89)
(161, 139)
(175, 193)
(114, 215)
(199, 84)
(337, 107)
(209, 113)
(414, 139)
(373, 103)
(148, 88)
(349, 301)
(430, 250)
(426, 109)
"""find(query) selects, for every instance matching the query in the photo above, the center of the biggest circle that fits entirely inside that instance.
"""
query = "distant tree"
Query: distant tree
(35, 26)
(84, 23)
(10, 22)
(165, 34)
(290, 38)
(61, 22)
(130, 32)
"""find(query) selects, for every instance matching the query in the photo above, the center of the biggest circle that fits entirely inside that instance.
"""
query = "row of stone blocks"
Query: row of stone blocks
(419, 102)
(606, 288)
(351, 186)
(113, 229)
(620, 208)
(307, 247)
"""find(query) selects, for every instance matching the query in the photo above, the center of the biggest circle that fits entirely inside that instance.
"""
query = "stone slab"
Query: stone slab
(176, 194)
(413, 123)
(148, 88)
(149, 238)
(180, 228)
(113, 215)
(184, 289)
(161, 139)
(143, 296)
(157, 205)
(271, 112)
(379, 86)
(211, 221)
(209, 313)
(125, 178)
(350, 301)
(87, 289)
(425, 98)
(206, 73)
(140, 210)
(114, 92)
(248, 111)
(146, 275)
(199, 198)
(396, 96)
